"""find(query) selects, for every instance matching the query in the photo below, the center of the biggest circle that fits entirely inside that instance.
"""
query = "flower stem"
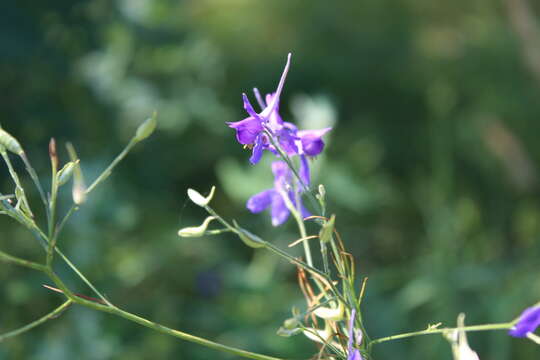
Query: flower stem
(53, 314)
(485, 327)
(105, 174)
(21, 262)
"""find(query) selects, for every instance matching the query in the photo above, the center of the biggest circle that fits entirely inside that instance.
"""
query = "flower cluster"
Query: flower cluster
(266, 130)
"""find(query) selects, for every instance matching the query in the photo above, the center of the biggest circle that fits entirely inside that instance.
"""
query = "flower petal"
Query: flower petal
(304, 170)
(355, 355)
(247, 130)
(248, 107)
(260, 201)
(280, 213)
(275, 99)
(529, 320)
(280, 169)
(312, 143)
(257, 150)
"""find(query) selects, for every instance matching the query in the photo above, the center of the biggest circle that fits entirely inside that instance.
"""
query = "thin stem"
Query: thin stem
(52, 210)
(501, 326)
(155, 326)
(53, 314)
(35, 179)
(64, 220)
(82, 277)
(105, 174)
(281, 253)
(21, 262)
(44, 240)
(19, 188)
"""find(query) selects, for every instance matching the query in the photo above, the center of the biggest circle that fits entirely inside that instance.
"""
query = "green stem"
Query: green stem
(155, 326)
(53, 314)
(21, 262)
(500, 326)
(105, 174)
(35, 179)
(52, 212)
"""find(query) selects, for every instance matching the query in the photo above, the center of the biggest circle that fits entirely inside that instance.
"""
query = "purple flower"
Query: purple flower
(353, 353)
(250, 131)
(528, 321)
(311, 140)
(273, 198)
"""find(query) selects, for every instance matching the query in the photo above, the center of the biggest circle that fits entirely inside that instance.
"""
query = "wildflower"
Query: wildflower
(311, 140)
(528, 321)
(353, 353)
(283, 185)
(250, 131)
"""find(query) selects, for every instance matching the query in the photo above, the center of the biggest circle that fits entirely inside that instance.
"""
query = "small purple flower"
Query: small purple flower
(273, 198)
(250, 131)
(353, 353)
(528, 321)
(311, 140)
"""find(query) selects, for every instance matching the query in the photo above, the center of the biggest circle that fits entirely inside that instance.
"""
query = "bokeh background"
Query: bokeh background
(432, 166)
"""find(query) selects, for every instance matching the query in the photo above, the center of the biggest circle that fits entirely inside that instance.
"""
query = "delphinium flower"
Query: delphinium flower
(253, 131)
(250, 131)
(274, 198)
(352, 352)
(528, 322)
(267, 131)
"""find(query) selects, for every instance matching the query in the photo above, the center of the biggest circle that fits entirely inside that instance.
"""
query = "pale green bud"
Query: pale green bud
(146, 128)
(196, 231)
(200, 200)
(289, 328)
(250, 239)
(325, 235)
(66, 172)
(10, 143)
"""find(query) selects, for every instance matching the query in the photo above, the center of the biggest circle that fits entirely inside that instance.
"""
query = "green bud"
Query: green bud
(66, 172)
(146, 128)
(196, 231)
(289, 328)
(10, 143)
(250, 239)
(291, 323)
(200, 200)
(325, 235)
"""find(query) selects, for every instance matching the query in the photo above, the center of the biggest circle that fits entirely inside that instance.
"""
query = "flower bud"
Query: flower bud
(200, 200)
(66, 172)
(330, 313)
(78, 192)
(146, 128)
(196, 231)
(322, 191)
(250, 239)
(325, 235)
(458, 341)
(52, 154)
(10, 143)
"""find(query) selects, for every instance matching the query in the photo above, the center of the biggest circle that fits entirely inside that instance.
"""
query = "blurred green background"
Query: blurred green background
(432, 166)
